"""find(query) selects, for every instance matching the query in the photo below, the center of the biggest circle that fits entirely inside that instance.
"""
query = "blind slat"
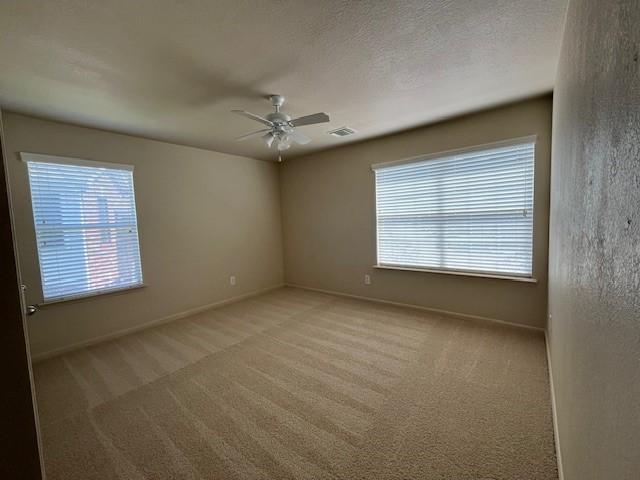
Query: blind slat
(86, 228)
(469, 211)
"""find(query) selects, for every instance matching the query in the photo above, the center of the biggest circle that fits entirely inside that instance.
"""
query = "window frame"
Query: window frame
(527, 278)
(27, 157)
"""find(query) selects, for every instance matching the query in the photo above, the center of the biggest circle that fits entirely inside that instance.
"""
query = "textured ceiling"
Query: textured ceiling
(173, 70)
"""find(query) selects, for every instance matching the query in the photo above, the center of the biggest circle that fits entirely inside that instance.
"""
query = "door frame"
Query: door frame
(20, 444)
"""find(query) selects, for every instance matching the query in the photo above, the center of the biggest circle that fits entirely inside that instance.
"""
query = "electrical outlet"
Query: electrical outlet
(232, 280)
(367, 279)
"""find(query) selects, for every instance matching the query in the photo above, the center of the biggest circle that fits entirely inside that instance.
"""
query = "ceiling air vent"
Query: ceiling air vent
(342, 132)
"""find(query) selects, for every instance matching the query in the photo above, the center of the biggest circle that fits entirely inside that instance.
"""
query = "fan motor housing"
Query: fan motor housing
(278, 118)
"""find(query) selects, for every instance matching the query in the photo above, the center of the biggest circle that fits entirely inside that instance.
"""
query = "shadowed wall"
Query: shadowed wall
(202, 216)
(328, 204)
(594, 263)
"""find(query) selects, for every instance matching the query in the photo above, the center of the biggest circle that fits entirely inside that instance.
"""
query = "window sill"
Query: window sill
(90, 296)
(459, 273)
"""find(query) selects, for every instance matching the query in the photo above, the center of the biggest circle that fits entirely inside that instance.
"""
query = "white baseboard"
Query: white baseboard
(464, 316)
(158, 321)
(554, 411)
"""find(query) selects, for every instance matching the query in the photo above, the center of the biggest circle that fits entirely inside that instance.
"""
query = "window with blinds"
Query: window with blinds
(466, 211)
(86, 226)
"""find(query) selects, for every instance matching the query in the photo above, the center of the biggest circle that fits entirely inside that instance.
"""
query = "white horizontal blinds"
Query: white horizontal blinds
(469, 211)
(86, 228)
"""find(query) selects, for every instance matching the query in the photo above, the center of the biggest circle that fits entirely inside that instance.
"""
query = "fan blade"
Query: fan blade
(253, 116)
(310, 119)
(252, 134)
(298, 137)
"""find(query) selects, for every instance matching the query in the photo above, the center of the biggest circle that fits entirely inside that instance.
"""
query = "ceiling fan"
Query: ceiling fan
(281, 128)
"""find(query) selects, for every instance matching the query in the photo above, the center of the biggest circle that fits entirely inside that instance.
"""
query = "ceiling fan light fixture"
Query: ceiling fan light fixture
(283, 146)
(284, 141)
(268, 139)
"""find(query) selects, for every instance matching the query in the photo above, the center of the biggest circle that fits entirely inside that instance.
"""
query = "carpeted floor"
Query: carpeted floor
(297, 384)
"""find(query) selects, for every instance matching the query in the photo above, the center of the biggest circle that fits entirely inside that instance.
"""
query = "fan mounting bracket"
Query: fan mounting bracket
(277, 101)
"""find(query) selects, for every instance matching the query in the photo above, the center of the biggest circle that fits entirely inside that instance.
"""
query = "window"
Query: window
(86, 227)
(465, 211)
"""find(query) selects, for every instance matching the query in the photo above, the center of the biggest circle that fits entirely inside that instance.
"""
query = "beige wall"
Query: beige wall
(329, 219)
(594, 262)
(202, 216)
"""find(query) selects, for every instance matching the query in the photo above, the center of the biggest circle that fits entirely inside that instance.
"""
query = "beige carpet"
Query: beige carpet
(296, 384)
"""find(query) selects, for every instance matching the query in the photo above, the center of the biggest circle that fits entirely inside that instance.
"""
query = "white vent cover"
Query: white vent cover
(342, 132)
